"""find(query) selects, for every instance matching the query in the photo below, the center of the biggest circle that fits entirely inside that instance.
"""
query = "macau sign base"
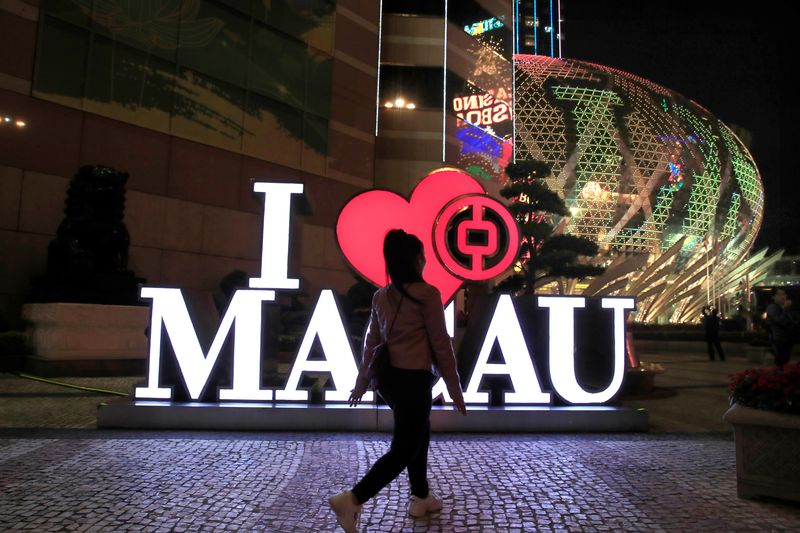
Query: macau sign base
(229, 416)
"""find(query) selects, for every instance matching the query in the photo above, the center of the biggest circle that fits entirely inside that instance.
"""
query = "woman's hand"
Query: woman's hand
(458, 405)
(357, 392)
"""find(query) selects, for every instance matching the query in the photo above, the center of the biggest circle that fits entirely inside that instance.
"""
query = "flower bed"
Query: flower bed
(771, 389)
(764, 415)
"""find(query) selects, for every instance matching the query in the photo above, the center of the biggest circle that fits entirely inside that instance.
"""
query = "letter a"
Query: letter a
(518, 365)
(326, 322)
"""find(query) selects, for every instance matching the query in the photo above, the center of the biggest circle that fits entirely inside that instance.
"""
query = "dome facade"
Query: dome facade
(643, 170)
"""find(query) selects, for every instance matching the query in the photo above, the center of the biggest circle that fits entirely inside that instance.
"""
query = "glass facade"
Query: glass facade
(538, 27)
(248, 76)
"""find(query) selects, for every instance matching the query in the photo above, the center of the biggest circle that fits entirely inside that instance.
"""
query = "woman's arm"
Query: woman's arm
(441, 345)
(371, 339)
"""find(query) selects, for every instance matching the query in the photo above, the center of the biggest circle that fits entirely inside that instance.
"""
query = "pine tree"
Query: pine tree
(543, 256)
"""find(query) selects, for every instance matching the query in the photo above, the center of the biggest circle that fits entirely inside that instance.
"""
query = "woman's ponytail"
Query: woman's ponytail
(401, 251)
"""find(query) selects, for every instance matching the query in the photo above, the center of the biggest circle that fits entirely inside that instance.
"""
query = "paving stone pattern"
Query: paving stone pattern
(149, 481)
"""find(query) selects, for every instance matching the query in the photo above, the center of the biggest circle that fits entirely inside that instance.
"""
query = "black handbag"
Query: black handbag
(380, 363)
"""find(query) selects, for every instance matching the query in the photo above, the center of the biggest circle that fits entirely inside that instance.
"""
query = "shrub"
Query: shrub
(771, 389)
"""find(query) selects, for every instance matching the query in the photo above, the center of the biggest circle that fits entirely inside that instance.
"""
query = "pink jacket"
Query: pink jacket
(418, 338)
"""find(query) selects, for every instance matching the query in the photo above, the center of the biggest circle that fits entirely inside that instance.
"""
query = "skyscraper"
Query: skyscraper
(538, 27)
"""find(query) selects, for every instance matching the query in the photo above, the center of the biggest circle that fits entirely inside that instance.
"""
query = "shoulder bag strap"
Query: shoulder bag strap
(391, 326)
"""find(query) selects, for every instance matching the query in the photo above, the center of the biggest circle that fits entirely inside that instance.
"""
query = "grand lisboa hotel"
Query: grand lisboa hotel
(670, 194)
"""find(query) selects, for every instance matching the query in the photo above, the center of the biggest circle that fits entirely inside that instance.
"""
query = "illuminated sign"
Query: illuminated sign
(468, 236)
(450, 213)
(481, 109)
(483, 26)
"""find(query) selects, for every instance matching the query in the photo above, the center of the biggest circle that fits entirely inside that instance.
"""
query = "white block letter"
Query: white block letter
(619, 305)
(169, 309)
(518, 365)
(275, 236)
(562, 347)
(326, 322)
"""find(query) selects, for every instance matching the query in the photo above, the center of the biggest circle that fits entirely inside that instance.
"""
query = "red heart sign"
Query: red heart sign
(367, 218)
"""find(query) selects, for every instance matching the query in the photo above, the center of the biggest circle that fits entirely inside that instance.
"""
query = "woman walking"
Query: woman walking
(408, 316)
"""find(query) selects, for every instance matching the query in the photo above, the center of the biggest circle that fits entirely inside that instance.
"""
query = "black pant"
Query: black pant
(713, 342)
(783, 351)
(408, 393)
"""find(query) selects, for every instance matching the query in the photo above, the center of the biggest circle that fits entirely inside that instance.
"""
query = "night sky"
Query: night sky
(733, 58)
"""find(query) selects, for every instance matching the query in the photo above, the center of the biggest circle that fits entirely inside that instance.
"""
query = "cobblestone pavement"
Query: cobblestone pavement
(88, 480)
(73, 480)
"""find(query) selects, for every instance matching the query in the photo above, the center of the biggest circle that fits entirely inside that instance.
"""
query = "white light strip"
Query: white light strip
(378, 84)
(450, 319)
(514, 52)
(514, 9)
(560, 40)
(444, 87)
(439, 388)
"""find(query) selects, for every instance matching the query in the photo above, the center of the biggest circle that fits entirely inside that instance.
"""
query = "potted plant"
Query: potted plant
(765, 415)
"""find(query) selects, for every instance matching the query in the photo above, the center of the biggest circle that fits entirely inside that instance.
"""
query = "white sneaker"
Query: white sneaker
(347, 510)
(421, 506)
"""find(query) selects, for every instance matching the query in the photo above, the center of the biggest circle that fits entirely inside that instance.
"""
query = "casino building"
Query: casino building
(195, 98)
(668, 191)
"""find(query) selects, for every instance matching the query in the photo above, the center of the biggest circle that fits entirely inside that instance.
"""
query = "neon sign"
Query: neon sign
(481, 109)
(444, 210)
(447, 202)
(483, 26)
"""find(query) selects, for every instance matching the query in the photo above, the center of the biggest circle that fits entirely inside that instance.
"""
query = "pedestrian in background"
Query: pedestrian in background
(711, 323)
(408, 316)
(781, 326)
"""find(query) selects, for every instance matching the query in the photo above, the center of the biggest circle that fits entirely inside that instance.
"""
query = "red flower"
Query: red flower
(774, 389)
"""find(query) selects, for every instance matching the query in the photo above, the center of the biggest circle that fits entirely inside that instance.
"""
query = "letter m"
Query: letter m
(169, 310)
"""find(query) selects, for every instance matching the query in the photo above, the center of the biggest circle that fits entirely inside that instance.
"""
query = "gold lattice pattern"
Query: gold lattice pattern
(731, 222)
(648, 236)
(641, 168)
(597, 172)
(705, 182)
(744, 169)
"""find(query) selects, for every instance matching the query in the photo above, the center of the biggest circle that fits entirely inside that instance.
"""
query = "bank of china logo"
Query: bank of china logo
(467, 235)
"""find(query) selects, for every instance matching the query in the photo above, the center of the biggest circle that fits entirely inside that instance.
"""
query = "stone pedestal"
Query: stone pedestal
(264, 416)
(767, 453)
(87, 339)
